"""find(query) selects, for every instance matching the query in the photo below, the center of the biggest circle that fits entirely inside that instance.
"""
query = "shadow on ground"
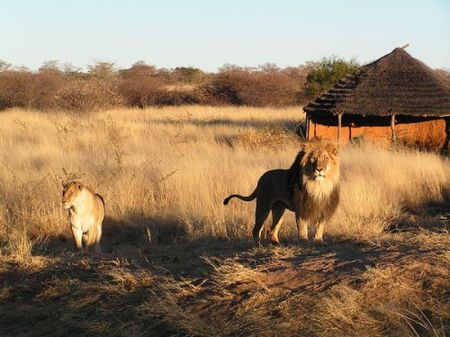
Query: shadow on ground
(173, 289)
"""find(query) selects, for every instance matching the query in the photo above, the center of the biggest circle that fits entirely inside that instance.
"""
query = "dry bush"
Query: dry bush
(265, 86)
(51, 88)
(104, 86)
(20, 87)
(82, 94)
(179, 97)
(48, 83)
(143, 86)
(14, 89)
(140, 85)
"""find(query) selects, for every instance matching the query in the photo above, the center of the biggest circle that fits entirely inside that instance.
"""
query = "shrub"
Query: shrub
(263, 86)
(47, 82)
(140, 85)
(188, 75)
(104, 86)
(327, 73)
(179, 97)
(84, 94)
(51, 88)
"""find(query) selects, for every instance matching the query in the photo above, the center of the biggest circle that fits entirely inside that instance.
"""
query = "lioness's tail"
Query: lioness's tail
(248, 198)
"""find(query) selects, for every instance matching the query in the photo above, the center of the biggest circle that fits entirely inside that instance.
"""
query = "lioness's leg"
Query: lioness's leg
(277, 221)
(98, 248)
(77, 235)
(319, 232)
(261, 214)
(302, 228)
(85, 240)
(91, 237)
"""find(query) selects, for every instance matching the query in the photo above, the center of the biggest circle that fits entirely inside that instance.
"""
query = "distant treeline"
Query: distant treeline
(103, 86)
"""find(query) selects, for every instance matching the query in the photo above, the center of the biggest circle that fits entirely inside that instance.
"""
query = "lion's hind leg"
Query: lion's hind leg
(261, 214)
(277, 220)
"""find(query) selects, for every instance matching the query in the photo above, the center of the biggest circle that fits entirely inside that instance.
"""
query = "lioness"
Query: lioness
(310, 188)
(86, 213)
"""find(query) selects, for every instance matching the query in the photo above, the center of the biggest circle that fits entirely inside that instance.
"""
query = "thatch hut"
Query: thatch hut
(394, 97)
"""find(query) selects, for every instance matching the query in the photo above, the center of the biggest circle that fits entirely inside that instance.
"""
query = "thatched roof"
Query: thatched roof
(396, 83)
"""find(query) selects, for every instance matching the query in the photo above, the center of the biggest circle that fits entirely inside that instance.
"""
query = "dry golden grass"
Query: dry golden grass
(151, 166)
(180, 263)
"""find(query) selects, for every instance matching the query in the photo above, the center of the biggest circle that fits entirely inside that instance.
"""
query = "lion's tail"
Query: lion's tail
(248, 198)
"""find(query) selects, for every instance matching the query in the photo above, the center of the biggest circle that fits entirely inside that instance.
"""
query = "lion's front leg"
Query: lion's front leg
(318, 237)
(302, 227)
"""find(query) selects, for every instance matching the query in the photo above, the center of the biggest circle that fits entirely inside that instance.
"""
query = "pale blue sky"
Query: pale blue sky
(208, 34)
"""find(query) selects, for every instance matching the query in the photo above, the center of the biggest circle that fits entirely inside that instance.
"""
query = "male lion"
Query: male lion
(86, 213)
(310, 188)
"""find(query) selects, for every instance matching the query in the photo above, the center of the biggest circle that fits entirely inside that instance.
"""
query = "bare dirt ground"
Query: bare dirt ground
(229, 288)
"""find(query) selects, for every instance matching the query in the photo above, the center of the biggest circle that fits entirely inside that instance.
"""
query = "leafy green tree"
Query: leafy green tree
(327, 73)
(188, 74)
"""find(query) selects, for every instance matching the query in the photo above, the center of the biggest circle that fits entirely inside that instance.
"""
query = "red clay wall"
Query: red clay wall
(430, 134)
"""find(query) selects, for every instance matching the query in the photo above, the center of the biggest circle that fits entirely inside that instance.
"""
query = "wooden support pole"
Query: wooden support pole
(339, 128)
(307, 127)
(393, 133)
(445, 149)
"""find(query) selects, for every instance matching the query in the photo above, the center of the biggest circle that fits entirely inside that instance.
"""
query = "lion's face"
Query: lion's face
(71, 192)
(320, 167)
(320, 162)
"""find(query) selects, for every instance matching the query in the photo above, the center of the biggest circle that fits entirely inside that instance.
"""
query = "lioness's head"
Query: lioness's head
(71, 191)
(319, 160)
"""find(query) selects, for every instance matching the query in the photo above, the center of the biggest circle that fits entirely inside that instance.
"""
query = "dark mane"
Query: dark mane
(295, 173)
(314, 211)
(309, 207)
